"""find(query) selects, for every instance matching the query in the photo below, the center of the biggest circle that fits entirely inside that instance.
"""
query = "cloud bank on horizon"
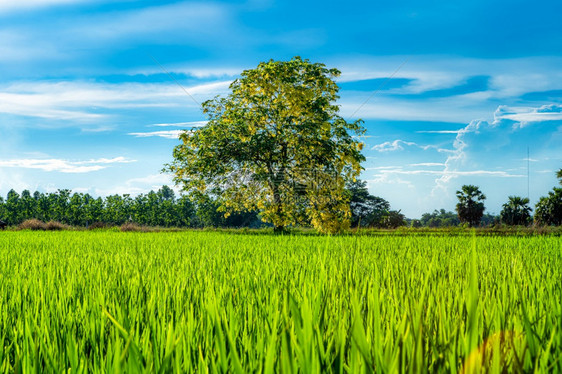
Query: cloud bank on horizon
(83, 104)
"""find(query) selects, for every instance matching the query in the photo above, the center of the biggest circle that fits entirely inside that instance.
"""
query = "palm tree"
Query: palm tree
(516, 211)
(559, 176)
(470, 207)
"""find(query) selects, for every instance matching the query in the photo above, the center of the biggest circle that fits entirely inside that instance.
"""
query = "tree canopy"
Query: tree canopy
(548, 210)
(275, 144)
(516, 211)
(366, 210)
(470, 207)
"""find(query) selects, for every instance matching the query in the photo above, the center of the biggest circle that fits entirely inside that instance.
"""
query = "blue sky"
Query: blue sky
(84, 106)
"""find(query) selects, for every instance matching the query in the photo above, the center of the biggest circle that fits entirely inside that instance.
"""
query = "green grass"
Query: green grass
(218, 302)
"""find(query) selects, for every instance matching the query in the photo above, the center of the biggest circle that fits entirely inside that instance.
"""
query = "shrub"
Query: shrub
(56, 226)
(98, 225)
(32, 224)
(129, 226)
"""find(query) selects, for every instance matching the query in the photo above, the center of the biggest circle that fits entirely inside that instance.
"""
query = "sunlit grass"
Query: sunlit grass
(198, 301)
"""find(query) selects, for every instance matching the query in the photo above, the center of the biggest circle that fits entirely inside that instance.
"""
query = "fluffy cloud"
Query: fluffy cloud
(525, 116)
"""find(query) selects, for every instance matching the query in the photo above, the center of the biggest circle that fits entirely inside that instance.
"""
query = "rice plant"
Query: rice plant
(219, 302)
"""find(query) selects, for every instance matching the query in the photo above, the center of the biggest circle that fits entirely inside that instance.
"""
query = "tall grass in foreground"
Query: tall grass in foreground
(196, 301)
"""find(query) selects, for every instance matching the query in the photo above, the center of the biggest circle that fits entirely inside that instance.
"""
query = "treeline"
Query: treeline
(443, 218)
(160, 208)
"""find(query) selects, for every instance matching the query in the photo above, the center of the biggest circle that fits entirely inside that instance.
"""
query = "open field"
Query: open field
(192, 301)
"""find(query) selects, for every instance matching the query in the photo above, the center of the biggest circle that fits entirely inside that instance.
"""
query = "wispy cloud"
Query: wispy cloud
(181, 124)
(82, 102)
(136, 186)
(155, 23)
(438, 132)
(9, 5)
(168, 134)
(525, 116)
(398, 145)
(508, 77)
(455, 173)
(63, 166)
(428, 164)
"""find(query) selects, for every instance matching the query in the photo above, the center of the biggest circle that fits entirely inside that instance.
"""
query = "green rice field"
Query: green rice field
(223, 302)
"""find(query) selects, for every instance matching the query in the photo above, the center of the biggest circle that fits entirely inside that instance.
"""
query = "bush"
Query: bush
(32, 224)
(56, 226)
(129, 226)
(98, 225)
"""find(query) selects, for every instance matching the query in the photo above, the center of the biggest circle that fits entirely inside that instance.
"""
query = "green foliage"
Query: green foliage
(366, 210)
(393, 219)
(439, 218)
(516, 211)
(548, 210)
(159, 208)
(470, 207)
(276, 144)
(212, 302)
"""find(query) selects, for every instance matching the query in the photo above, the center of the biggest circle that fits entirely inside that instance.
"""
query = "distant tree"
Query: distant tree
(548, 210)
(276, 134)
(2, 208)
(27, 206)
(516, 211)
(186, 212)
(439, 218)
(489, 219)
(470, 207)
(393, 219)
(12, 205)
(61, 205)
(208, 214)
(415, 223)
(366, 210)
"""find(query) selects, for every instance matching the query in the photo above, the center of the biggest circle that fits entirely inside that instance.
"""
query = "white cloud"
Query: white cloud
(181, 124)
(11, 5)
(168, 134)
(438, 132)
(525, 116)
(63, 166)
(428, 164)
(454, 173)
(398, 145)
(194, 21)
(459, 109)
(136, 186)
(508, 77)
(82, 102)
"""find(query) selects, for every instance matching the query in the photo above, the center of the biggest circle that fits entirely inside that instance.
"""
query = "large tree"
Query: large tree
(275, 144)
(470, 207)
